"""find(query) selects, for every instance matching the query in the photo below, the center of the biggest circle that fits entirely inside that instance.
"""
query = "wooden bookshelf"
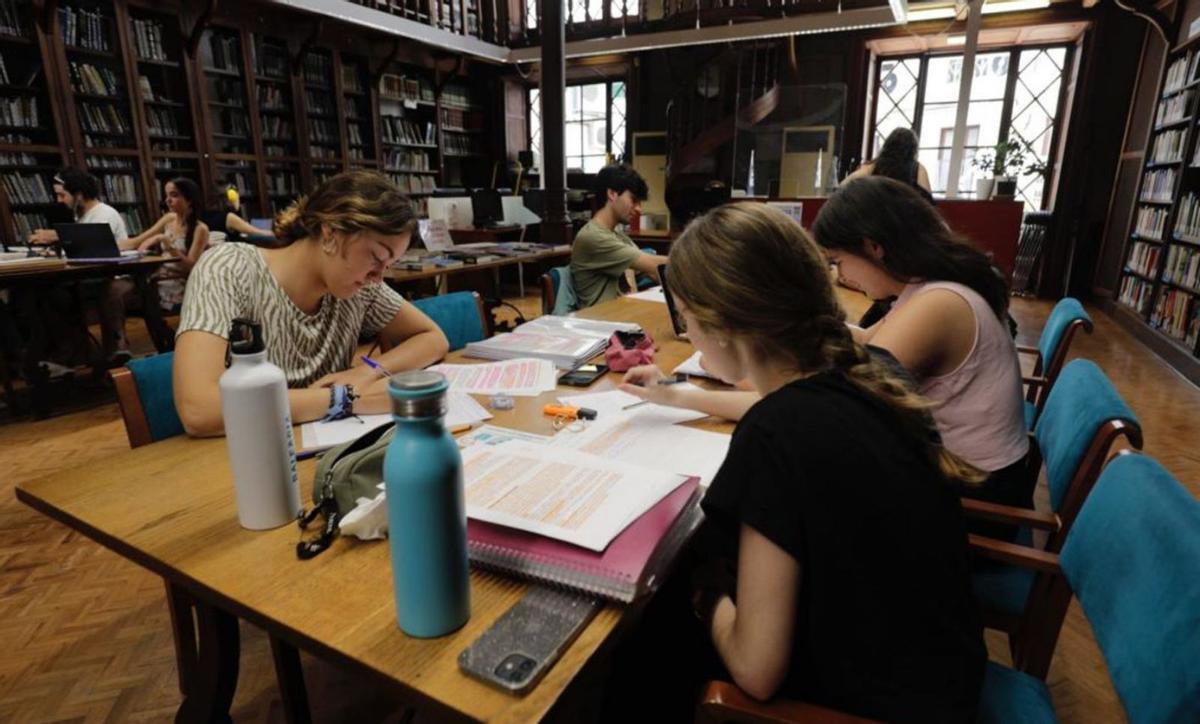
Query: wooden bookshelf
(359, 112)
(223, 66)
(1161, 276)
(408, 118)
(273, 97)
(284, 184)
(321, 110)
(460, 136)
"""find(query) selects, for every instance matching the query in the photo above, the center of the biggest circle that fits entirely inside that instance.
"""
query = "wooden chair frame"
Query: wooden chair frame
(132, 412)
(549, 297)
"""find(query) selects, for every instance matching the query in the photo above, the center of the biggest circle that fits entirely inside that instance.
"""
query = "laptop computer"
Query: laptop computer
(89, 244)
(677, 322)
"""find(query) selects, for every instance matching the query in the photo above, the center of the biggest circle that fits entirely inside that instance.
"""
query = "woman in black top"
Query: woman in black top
(897, 159)
(833, 567)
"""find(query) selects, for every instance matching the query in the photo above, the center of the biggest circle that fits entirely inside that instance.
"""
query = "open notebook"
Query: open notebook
(630, 566)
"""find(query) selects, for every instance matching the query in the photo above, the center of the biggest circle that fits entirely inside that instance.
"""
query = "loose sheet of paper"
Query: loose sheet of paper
(691, 366)
(611, 403)
(643, 439)
(461, 409)
(523, 377)
(494, 435)
(563, 494)
(653, 294)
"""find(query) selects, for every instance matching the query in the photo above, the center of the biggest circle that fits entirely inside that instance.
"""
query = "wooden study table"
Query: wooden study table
(170, 507)
(400, 276)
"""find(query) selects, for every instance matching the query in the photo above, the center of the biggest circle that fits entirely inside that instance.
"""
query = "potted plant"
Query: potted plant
(1009, 161)
(986, 163)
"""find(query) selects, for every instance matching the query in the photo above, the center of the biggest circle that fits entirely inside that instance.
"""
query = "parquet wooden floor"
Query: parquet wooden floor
(87, 638)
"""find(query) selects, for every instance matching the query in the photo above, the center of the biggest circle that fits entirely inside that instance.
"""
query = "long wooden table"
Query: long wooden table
(401, 276)
(170, 508)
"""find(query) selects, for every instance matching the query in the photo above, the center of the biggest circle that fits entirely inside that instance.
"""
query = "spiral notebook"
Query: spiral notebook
(631, 565)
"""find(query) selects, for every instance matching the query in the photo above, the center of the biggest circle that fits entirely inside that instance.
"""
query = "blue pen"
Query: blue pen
(376, 366)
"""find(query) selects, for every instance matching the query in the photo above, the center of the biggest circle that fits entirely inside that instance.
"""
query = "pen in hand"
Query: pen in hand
(673, 380)
(376, 366)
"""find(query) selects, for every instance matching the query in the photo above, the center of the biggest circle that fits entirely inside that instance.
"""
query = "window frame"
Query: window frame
(608, 114)
(1014, 52)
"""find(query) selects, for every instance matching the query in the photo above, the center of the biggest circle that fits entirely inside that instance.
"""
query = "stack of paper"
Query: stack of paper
(519, 377)
(579, 498)
(566, 341)
(461, 409)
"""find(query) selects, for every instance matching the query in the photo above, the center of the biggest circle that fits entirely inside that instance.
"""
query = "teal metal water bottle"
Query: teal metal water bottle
(427, 516)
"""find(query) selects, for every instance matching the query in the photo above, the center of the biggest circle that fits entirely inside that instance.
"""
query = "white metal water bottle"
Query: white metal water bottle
(258, 431)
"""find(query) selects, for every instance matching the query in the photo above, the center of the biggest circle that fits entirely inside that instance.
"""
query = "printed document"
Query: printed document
(581, 499)
(461, 409)
(524, 377)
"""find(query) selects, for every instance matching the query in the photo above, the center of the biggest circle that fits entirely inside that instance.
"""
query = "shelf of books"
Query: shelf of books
(1161, 278)
(320, 108)
(283, 185)
(120, 187)
(225, 91)
(96, 71)
(359, 114)
(462, 141)
(273, 88)
(408, 130)
(162, 81)
(28, 129)
(323, 171)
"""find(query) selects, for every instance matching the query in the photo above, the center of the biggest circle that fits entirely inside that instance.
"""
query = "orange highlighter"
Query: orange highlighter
(569, 412)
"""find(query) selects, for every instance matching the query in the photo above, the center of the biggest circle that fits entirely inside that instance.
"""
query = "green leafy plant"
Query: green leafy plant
(1008, 158)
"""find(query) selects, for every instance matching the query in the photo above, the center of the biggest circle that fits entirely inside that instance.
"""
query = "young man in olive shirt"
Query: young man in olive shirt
(601, 255)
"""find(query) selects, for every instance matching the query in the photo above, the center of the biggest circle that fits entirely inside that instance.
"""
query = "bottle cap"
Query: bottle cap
(245, 337)
(418, 393)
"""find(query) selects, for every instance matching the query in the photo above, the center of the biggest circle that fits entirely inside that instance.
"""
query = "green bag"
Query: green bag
(344, 474)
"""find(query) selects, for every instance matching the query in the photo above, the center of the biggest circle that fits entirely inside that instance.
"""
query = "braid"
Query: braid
(879, 383)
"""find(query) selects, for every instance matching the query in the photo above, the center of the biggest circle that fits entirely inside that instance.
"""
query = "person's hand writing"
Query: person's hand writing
(645, 382)
(373, 398)
(361, 377)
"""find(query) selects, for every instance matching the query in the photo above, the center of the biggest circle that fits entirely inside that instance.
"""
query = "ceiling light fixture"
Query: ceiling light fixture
(1012, 6)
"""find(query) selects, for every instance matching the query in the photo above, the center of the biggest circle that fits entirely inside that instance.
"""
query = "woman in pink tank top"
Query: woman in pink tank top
(948, 326)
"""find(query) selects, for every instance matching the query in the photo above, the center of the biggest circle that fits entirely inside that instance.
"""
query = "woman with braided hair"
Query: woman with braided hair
(833, 563)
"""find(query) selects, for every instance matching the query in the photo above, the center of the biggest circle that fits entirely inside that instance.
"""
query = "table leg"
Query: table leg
(290, 675)
(160, 334)
(210, 692)
(183, 627)
(521, 278)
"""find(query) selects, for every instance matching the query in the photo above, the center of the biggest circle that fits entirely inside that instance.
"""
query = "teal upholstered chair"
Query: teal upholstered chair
(460, 315)
(1133, 561)
(1083, 418)
(549, 282)
(558, 293)
(1067, 317)
(147, 399)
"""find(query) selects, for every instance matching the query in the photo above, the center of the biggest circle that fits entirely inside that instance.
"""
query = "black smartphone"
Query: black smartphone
(584, 375)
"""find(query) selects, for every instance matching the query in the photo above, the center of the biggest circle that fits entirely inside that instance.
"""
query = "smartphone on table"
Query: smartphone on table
(584, 375)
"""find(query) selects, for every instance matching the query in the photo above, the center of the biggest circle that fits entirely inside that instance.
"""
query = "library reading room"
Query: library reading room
(414, 361)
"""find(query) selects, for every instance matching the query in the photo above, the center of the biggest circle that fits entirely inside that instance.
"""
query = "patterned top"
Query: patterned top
(232, 280)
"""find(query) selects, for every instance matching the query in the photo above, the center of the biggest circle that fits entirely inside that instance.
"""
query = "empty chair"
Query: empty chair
(145, 393)
(1067, 317)
(460, 315)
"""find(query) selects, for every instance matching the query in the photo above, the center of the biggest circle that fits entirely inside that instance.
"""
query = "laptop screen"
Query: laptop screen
(677, 322)
(87, 241)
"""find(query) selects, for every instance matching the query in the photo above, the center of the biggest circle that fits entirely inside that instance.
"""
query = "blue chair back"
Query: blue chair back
(458, 316)
(1082, 401)
(152, 375)
(555, 274)
(1133, 560)
(1067, 311)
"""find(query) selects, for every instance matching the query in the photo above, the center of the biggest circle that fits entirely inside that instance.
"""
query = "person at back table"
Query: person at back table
(315, 297)
(600, 255)
(226, 216)
(898, 159)
(79, 191)
(832, 566)
(179, 234)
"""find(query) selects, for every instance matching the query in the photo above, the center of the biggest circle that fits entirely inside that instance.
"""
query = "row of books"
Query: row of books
(351, 80)
(17, 159)
(103, 118)
(135, 221)
(413, 183)
(324, 152)
(271, 97)
(26, 223)
(318, 70)
(26, 189)
(1183, 266)
(1177, 314)
(21, 111)
(229, 91)
(162, 122)
(1151, 222)
(318, 102)
(1196, 155)
(406, 88)
(1135, 293)
(1173, 108)
(1187, 219)
(148, 39)
(271, 61)
(231, 122)
(401, 130)
(456, 95)
(1143, 258)
(88, 78)
(86, 29)
(275, 149)
(357, 153)
(277, 128)
(460, 145)
(109, 163)
(452, 118)
(1181, 72)
(283, 182)
(222, 52)
(407, 159)
(322, 132)
(4, 71)
(119, 188)
(1168, 146)
(354, 135)
(1159, 185)
(11, 18)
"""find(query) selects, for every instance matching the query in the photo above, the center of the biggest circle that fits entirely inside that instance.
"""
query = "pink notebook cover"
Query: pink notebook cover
(615, 573)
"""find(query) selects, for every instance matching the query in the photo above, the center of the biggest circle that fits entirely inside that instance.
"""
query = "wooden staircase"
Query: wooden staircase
(737, 89)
